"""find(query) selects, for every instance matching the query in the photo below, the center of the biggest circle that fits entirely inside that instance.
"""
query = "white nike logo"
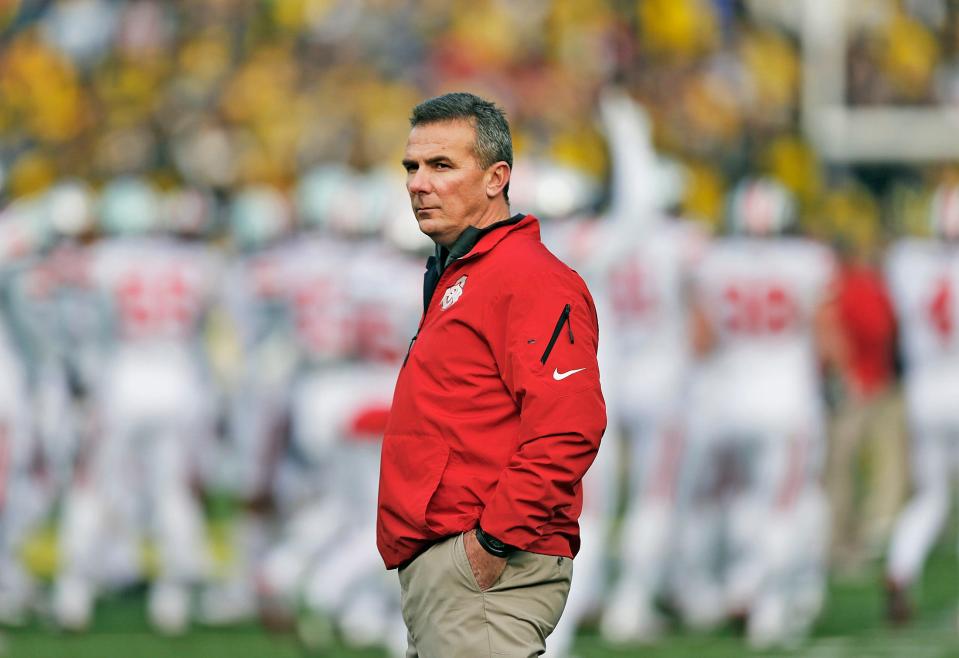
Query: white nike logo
(557, 375)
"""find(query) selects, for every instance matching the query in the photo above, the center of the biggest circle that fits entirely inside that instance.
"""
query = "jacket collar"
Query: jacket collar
(495, 233)
(471, 243)
(474, 241)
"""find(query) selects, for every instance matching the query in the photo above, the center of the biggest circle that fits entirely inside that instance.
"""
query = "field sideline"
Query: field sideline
(851, 626)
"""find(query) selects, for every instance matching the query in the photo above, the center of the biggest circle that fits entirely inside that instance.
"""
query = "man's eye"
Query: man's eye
(442, 165)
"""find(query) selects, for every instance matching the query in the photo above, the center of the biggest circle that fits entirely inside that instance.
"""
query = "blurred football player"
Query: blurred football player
(350, 404)
(46, 325)
(351, 331)
(632, 235)
(24, 495)
(649, 259)
(257, 390)
(754, 521)
(154, 407)
(923, 277)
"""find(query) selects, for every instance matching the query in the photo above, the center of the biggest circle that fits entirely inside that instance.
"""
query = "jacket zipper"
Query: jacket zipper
(426, 311)
(410, 348)
(563, 319)
(469, 256)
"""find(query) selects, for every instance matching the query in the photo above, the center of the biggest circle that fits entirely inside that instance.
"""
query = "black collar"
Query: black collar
(460, 247)
(467, 240)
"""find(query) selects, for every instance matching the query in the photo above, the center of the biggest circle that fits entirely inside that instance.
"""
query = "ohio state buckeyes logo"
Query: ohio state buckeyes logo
(453, 293)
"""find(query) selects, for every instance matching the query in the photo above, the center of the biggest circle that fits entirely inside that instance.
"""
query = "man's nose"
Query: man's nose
(418, 182)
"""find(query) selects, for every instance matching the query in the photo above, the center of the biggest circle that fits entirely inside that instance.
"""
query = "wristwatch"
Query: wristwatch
(492, 545)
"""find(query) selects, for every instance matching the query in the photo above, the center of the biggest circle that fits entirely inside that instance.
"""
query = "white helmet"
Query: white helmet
(550, 190)
(944, 212)
(334, 198)
(380, 188)
(188, 212)
(670, 180)
(259, 215)
(129, 206)
(399, 225)
(69, 208)
(24, 227)
(760, 206)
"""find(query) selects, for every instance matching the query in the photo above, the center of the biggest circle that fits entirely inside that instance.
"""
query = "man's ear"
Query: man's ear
(497, 176)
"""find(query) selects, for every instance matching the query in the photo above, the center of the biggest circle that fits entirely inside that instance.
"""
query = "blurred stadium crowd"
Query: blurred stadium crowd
(211, 273)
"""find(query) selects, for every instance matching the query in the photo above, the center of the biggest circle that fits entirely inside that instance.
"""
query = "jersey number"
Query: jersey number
(940, 309)
(159, 303)
(758, 309)
(631, 288)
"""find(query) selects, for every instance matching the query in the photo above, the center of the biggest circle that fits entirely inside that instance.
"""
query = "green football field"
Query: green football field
(851, 625)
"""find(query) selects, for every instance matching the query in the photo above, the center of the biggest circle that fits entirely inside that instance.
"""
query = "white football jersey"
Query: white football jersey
(639, 276)
(58, 325)
(251, 297)
(305, 285)
(760, 297)
(20, 242)
(647, 287)
(157, 289)
(763, 293)
(643, 276)
(575, 240)
(923, 277)
(386, 289)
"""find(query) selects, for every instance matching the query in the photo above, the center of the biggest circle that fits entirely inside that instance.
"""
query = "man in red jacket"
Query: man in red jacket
(497, 412)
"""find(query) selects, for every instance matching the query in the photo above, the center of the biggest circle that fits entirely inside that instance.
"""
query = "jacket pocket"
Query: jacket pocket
(410, 471)
(563, 320)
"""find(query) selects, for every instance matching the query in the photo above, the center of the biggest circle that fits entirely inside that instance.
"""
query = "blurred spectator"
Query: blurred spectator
(230, 92)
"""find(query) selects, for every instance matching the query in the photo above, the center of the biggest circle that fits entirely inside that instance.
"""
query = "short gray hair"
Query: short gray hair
(493, 140)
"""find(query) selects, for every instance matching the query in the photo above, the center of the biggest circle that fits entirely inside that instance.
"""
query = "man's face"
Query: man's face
(446, 184)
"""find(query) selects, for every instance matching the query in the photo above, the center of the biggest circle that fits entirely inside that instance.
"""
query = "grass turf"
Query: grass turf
(850, 626)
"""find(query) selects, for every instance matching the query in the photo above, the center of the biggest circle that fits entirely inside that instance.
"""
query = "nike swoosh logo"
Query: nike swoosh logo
(557, 375)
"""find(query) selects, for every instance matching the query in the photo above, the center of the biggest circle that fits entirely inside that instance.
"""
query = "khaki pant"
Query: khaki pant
(867, 433)
(448, 616)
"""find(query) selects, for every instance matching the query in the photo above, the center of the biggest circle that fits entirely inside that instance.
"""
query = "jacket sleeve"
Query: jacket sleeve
(562, 412)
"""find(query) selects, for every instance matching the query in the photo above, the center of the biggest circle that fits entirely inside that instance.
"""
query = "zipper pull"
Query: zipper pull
(563, 319)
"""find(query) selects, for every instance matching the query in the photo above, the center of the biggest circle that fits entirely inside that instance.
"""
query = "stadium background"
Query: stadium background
(227, 93)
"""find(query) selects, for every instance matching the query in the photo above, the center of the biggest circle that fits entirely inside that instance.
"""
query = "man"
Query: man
(497, 412)
(868, 422)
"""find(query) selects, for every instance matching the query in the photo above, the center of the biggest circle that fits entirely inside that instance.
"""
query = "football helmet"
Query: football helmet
(259, 215)
(129, 206)
(335, 198)
(188, 212)
(760, 206)
(70, 208)
(550, 190)
(944, 211)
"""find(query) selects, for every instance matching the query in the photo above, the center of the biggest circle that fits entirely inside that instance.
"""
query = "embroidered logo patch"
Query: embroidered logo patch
(453, 293)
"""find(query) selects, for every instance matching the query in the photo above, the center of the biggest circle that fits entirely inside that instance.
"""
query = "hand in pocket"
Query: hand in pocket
(486, 568)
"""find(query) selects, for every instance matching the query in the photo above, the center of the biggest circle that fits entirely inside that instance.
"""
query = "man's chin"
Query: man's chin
(431, 228)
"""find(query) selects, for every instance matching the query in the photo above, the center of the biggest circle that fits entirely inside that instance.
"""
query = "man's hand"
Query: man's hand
(486, 568)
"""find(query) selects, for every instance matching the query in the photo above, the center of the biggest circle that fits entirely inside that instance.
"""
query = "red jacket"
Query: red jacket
(484, 429)
(869, 326)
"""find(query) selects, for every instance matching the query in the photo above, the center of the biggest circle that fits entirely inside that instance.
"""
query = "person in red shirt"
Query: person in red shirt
(497, 412)
(868, 421)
